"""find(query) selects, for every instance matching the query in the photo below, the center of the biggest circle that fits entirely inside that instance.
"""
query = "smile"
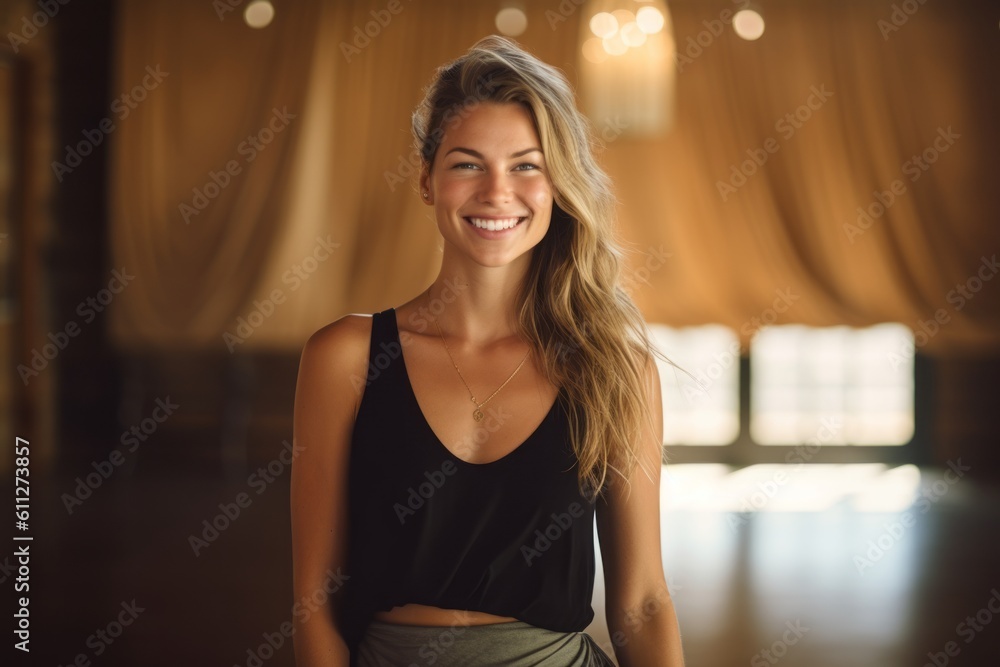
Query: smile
(494, 224)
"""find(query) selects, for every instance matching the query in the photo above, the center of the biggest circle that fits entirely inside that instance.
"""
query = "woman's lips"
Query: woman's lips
(494, 223)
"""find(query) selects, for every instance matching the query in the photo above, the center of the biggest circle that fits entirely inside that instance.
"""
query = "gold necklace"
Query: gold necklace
(477, 414)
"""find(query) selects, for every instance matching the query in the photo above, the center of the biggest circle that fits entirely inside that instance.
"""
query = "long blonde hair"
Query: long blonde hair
(585, 328)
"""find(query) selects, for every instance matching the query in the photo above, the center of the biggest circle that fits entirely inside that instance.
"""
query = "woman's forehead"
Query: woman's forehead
(491, 125)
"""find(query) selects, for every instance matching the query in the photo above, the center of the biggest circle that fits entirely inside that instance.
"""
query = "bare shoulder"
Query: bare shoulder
(343, 336)
(337, 354)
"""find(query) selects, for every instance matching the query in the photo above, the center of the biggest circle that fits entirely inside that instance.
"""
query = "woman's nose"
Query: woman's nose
(496, 188)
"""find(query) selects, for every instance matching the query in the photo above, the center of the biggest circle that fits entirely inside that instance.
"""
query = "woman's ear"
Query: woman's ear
(425, 185)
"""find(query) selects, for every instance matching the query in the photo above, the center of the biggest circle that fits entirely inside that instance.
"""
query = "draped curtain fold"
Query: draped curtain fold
(324, 219)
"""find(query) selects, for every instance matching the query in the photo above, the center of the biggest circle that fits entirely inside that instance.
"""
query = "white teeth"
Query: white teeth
(494, 225)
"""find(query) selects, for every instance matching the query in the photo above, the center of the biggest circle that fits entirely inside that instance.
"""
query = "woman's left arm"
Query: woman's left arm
(640, 613)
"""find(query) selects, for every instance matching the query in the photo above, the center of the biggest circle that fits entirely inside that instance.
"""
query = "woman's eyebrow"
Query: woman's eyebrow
(480, 155)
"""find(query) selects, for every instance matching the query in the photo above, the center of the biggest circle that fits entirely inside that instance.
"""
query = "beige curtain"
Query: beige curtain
(793, 225)
(325, 217)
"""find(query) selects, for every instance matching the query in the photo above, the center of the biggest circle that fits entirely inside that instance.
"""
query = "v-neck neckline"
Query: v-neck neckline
(430, 430)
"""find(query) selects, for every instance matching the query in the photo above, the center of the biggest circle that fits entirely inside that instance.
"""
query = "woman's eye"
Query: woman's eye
(526, 166)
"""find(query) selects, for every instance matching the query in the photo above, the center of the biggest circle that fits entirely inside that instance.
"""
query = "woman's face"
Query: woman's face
(489, 171)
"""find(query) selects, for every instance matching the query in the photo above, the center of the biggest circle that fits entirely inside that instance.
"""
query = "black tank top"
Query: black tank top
(513, 537)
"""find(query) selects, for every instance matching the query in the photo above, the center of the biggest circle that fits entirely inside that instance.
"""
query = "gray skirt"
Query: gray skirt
(510, 644)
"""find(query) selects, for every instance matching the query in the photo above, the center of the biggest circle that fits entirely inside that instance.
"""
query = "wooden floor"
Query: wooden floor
(775, 586)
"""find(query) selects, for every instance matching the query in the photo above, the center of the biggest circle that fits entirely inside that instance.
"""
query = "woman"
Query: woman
(463, 534)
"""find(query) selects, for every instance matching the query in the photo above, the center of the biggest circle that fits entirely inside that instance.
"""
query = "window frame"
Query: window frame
(744, 451)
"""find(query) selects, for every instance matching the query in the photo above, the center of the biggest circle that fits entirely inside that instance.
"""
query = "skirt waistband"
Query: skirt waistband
(511, 644)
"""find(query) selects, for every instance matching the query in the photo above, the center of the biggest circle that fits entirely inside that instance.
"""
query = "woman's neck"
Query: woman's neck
(473, 309)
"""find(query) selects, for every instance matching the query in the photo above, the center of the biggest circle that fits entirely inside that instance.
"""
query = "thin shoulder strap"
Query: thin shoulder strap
(379, 326)
(384, 333)
(384, 353)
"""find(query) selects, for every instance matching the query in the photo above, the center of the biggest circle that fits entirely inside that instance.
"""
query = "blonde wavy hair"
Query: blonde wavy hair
(572, 309)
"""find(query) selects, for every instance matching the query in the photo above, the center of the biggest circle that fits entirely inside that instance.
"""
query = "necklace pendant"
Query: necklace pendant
(477, 414)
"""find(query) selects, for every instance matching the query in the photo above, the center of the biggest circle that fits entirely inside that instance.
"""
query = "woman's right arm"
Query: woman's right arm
(326, 404)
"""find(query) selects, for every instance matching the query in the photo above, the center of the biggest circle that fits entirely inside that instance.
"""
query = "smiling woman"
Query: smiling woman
(491, 181)
(466, 533)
